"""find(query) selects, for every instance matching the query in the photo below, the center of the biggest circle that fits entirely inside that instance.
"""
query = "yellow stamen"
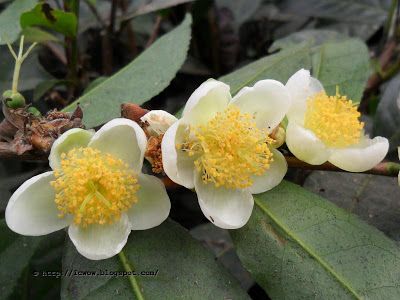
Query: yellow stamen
(333, 119)
(229, 149)
(94, 187)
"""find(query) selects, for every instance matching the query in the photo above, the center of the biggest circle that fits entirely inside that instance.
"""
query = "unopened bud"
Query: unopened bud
(13, 100)
(278, 135)
(158, 121)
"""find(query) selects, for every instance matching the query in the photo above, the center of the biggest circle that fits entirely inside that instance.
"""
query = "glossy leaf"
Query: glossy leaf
(299, 245)
(140, 80)
(44, 15)
(9, 20)
(183, 268)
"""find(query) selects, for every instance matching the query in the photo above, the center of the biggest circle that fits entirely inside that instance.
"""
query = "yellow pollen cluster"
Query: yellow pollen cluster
(94, 187)
(229, 149)
(333, 119)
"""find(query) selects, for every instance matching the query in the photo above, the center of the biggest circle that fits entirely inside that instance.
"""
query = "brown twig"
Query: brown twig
(383, 168)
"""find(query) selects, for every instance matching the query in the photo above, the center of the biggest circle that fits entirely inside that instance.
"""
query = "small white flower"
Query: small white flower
(327, 128)
(96, 188)
(221, 148)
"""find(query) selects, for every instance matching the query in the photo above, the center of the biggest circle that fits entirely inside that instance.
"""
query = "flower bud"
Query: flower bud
(158, 121)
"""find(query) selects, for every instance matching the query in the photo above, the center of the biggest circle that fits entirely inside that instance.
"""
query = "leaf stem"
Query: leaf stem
(132, 279)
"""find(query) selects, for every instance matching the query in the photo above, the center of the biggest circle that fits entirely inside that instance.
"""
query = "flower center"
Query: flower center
(229, 149)
(94, 187)
(333, 119)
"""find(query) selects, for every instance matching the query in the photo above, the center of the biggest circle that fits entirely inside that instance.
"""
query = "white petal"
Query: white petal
(153, 204)
(301, 86)
(100, 241)
(123, 139)
(209, 98)
(159, 121)
(305, 145)
(267, 100)
(272, 177)
(31, 210)
(177, 165)
(70, 139)
(362, 157)
(226, 208)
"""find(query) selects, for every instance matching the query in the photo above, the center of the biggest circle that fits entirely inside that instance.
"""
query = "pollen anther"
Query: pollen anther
(94, 187)
(229, 149)
(333, 119)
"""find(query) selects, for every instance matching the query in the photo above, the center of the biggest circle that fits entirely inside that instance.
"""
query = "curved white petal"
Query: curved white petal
(210, 97)
(100, 241)
(226, 208)
(70, 139)
(176, 164)
(362, 157)
(273, 176)
(305, 145)
(153, 204)
(123, 139)
(158, 121)
(268, 101)
(301, 86)
(31, 210)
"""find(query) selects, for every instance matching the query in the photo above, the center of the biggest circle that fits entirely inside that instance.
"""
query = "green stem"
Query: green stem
(132, 279)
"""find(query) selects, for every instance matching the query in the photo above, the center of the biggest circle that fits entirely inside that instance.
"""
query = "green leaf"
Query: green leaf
(16, 252)
(278, 66)
(298, 245)
(34, 34)
(387, 117)
(183, 268)
(9, 17)
(314, 37)
(140, 80)
(344, 64)
(44, 15)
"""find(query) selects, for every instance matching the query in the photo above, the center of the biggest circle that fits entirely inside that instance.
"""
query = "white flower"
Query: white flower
(221, 148)
(96, 188)
(327, 128)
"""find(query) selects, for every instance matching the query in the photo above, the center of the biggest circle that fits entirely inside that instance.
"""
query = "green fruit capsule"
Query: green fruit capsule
(13, 100)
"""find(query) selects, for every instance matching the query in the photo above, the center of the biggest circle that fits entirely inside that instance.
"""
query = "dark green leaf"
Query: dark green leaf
(139, 81)
(43, 87)
(185, 270)
(298, 245)
(9, 20)
(15, 253)
(44, 15)
(387, 118)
